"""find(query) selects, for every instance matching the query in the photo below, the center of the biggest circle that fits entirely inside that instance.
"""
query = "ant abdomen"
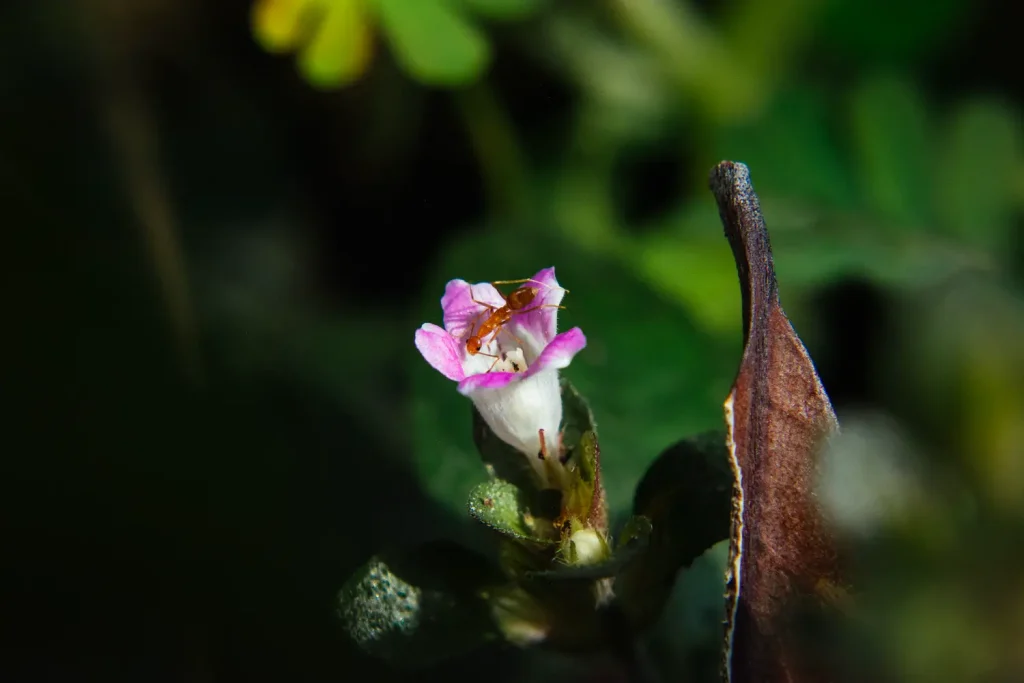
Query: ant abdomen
(521, 298)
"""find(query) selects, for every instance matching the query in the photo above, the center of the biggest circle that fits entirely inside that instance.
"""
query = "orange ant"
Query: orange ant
(515, 304)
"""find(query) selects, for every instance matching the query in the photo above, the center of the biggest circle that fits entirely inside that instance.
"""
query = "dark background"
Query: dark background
(214, 270)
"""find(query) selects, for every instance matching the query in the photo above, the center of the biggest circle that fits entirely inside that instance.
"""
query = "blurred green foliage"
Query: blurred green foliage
(435, 41)
(866, 169)
(929, 494)
(861, 174)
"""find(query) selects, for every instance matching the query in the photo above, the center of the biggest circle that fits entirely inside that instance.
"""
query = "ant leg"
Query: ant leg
(474, 321)
(472, 325)
(527, 310)
(489, 310)
(528, 279)
(509, 332)
(491, 355)
(514, 282)
(491, 307)
(506, 330)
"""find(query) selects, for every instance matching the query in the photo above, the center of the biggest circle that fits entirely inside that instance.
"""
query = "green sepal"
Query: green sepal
(585, 496)
(577, 417)
(503, 507)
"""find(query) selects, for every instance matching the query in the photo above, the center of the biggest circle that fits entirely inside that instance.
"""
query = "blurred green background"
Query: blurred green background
(227, 219)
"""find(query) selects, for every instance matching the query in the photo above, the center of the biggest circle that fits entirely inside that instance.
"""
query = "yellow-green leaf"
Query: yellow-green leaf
(889, 123)
(978, 160)
(340, 51)
(433, 42)
(501, 9)
(278, 24)
(694, 274)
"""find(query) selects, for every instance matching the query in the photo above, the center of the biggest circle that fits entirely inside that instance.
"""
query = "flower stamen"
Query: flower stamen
(513, 360)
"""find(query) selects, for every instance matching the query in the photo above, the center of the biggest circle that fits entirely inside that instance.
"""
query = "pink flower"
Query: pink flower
(513, 380)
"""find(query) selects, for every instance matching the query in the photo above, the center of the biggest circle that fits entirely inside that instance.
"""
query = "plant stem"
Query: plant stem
(134, 138)
(493, 137)
(694, 54)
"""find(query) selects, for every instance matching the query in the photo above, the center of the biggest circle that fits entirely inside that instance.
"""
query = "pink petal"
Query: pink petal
(546, 278)
(488, 380)
(441, 350)
(541, 323)
(559, 353)
(461, 313)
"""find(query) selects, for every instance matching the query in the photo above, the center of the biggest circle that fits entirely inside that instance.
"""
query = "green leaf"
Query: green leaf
(648, 371)
(793, 150)
(687, 495)
(422, 608)
(696, 273)
(688, 261)
(892, 140)
(277, 25)
(501, 9)
(502, 507)
(980, 155)
(433, 42)
(866, 247)
(340, 49)
(883, 32)
(686, 641)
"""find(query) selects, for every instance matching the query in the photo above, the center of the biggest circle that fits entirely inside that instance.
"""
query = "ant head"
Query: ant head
(522, 297)
(473, 345)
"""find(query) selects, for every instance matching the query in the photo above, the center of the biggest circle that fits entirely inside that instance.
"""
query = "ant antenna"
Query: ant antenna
(529, 279)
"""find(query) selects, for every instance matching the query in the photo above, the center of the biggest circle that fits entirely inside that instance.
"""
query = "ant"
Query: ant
(515, 304)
